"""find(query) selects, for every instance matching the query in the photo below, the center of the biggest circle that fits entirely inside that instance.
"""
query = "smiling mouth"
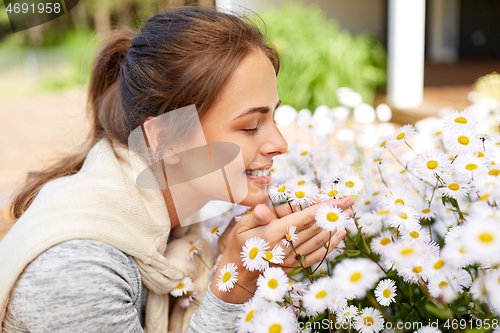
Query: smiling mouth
(258, 173)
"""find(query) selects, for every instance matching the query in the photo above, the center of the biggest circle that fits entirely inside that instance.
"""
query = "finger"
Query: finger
(317, 255)
(349, 212)
(315, 242)
(306, 234)
(260, 216)
(343, 203)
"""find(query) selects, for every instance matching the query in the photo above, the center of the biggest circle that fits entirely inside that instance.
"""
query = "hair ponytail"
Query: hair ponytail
(180, 57)
(103, 109)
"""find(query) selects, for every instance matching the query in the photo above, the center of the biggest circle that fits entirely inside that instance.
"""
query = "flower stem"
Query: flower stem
(239, 285)
(301, 265)
(204, 263)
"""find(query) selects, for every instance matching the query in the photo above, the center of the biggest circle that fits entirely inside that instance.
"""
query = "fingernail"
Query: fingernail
(341, 234)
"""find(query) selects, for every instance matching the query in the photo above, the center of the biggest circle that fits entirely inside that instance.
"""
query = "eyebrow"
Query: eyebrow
(259, 109)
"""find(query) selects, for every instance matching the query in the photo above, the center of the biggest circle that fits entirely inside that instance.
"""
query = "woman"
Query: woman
(90, 242)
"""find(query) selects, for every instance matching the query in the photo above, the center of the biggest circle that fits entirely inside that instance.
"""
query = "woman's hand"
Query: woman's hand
(309, 243)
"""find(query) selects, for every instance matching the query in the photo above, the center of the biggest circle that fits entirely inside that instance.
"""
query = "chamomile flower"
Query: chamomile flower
(430, 163)
(426, 212)
(369, 320)
(347, 314)
(386, 292)
(398, 195)
(453, 189)
(183, 287)
(194, 250)
(463, 140)
(331, 218)
(273, 283)
(188, 299)
(228, 277)
(439, 287)
(276, 256)
(275, 320)
(245, 321)
(337, 300)
(253, 253)
(370, 223)
(290, 236)
(419, 235)
(404, 218)
(277, 193)
(483, 237)
(356, 276)
(436, 265)
(458, 120)
(317, 297)
(402, 135)
(413, 270)
(403, 251)
(353, 184)
(379, 147)
(332, 191)
(302, 195)
(299, 180)
(382, 243)
(466, 166)
(214, 229)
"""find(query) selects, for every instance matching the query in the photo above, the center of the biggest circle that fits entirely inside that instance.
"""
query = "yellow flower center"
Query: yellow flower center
(272, 283)
(192, 249)
(368, 202)
(407, 251)
(438, 133)
(301, 182)
(484, 197)
(463, 140)
(253, 253)
(304, 153)
(480, 154)
(249, 316)
(471, 166)
(417, 269)
(310, 125)
(494, 172)
(288, 236)
(282, 189)
(403, 215)
(385, 241)
(356, 276)
(214, 230)
(349, 184)
(332, 217)
(386, 293)
(321, 294)
(383, 144)
(275, 328)
(368, 321)
(180, 285)
(439, 264)
(333, 193)
(426, 211)
(432, 165)
(400, 136)
(414, 234)
(486, 238)
(269, 255)
(443, 284)
(454, 187)
(461, 120)
(300, 194)
(400, 201)
(226, 277)
(463, 250)
(384, 212)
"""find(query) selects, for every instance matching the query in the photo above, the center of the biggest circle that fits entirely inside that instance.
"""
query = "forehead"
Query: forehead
(252, 84)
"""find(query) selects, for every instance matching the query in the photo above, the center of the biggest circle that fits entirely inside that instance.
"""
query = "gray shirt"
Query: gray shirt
(85, 285)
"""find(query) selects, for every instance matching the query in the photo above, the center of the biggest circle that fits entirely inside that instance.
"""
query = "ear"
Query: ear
(151, 132)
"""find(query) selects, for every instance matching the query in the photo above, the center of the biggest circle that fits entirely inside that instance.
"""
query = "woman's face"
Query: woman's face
(244, 115)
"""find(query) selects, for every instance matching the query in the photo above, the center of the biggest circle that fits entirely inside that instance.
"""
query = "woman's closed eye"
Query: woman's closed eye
(252, 131)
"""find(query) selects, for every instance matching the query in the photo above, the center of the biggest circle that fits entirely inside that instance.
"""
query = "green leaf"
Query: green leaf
(441, 314)
(294, 271)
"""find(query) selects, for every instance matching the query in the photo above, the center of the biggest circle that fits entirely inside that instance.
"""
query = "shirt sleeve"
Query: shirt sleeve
(79, 286)
(214, 315)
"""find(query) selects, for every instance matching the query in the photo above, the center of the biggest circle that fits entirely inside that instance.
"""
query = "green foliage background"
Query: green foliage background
(318, 57)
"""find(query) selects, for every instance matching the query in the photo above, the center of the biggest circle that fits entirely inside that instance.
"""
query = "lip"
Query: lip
(262, 179)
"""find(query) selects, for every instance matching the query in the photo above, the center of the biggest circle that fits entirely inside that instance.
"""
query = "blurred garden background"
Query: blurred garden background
(324, 44)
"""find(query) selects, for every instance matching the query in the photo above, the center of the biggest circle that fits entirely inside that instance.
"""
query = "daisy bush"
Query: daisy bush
(422, 250)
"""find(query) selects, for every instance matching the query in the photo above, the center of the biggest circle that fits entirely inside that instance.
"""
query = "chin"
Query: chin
(253, 199)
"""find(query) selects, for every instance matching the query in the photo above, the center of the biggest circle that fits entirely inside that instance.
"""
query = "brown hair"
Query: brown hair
(180, 57)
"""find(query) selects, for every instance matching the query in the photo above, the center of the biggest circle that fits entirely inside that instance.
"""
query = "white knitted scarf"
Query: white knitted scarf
(103, 202)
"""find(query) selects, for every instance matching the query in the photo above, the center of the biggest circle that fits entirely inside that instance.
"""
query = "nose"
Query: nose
(275, 143)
